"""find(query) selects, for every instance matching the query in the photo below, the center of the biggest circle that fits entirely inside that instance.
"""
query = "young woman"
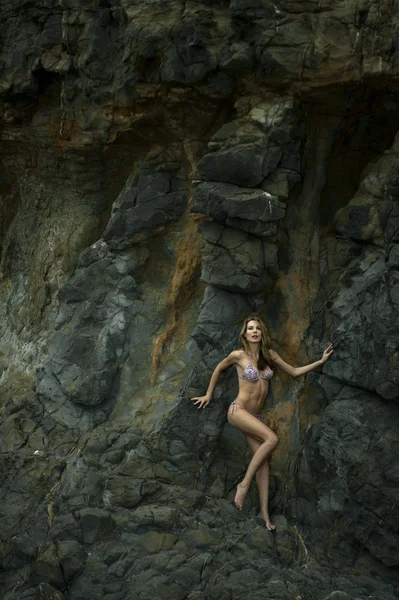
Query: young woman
(255, 364)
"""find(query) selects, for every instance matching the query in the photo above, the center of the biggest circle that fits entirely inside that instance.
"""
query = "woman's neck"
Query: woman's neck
(253, 351)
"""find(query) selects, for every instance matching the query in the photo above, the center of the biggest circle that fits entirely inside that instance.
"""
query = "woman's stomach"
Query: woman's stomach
(252, 395)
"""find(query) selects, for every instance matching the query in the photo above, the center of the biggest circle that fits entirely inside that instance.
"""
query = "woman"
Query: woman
(255, 363)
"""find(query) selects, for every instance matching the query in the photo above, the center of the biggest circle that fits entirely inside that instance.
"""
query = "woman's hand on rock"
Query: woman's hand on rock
(202, 401)
(327, 353)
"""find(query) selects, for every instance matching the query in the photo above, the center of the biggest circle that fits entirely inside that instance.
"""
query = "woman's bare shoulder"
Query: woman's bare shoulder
(238, 355)
(235, 357)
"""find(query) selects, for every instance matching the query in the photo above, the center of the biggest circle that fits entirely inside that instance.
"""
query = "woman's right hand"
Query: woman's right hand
(202, 401)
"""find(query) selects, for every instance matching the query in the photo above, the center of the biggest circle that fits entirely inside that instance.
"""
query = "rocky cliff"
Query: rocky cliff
(168, 166)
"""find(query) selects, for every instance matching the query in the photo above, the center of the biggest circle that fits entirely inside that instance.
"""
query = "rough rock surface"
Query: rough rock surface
(166, 168)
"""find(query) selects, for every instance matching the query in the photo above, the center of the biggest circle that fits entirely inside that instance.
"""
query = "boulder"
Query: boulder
(234, 260)
(145, 206)
(96, 524)
(223, 202)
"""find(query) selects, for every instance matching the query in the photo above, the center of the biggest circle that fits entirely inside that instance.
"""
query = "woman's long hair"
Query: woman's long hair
(264, 350)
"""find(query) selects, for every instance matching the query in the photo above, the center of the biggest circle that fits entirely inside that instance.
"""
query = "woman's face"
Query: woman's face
(253, 332)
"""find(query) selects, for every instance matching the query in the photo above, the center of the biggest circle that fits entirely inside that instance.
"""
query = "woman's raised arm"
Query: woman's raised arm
(297, 371)
(231, 359)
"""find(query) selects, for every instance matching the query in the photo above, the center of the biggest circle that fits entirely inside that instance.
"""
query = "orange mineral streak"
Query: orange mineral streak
(295, 321)
(279, 419)
(181, 290)
(297, 288)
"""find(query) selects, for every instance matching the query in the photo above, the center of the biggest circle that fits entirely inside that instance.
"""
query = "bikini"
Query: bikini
(252, 374)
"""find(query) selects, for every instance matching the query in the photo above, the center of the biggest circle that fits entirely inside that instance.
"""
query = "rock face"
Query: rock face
(168, 167)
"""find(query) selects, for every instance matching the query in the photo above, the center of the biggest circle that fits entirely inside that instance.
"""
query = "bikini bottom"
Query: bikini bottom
(235, 406)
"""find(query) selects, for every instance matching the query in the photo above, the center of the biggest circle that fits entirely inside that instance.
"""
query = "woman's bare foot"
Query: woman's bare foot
(269, 525)
(242, 490)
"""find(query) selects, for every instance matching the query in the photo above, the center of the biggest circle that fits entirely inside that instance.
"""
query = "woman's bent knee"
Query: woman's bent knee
(271, 441)
(274, 441)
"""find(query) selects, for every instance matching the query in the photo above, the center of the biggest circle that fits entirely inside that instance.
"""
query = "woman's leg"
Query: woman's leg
(262, 482)
(253, 427)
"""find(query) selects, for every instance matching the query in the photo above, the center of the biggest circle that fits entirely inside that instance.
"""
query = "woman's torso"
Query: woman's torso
(253, 384)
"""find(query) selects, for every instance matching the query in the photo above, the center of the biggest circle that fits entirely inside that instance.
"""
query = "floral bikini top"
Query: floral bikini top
(252, 374)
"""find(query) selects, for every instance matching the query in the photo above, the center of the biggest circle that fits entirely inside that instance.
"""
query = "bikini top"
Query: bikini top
(252, 374)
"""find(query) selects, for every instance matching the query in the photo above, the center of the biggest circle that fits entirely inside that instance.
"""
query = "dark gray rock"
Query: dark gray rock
(82, 486)
(218, 320)
(96, 524)
(243, 164)
(267, 231)
(65, 527)
(47, 568)
(289, 546)
(362, 324)
(153, 516)
(224, 202)
(26, 545)
(48, 592)
(218, 85)
(237, 58)
(52, 31)
(202, 538)
(72, 559)
(260, 539)
(353, 437)
(142, 208)
(189, 59)
(281, 182)
(123, 491)
(91, 338)
(235, 261)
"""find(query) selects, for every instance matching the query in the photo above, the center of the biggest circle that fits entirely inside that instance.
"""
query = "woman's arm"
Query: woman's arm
(230, 360)
(297, 371)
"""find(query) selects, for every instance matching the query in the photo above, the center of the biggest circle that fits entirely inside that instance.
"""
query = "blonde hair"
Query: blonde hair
(265, 344)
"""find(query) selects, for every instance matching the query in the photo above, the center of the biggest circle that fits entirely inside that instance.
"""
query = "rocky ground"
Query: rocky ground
(166, 168)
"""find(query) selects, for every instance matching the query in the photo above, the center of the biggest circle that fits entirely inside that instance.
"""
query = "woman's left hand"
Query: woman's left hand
(327, 353)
